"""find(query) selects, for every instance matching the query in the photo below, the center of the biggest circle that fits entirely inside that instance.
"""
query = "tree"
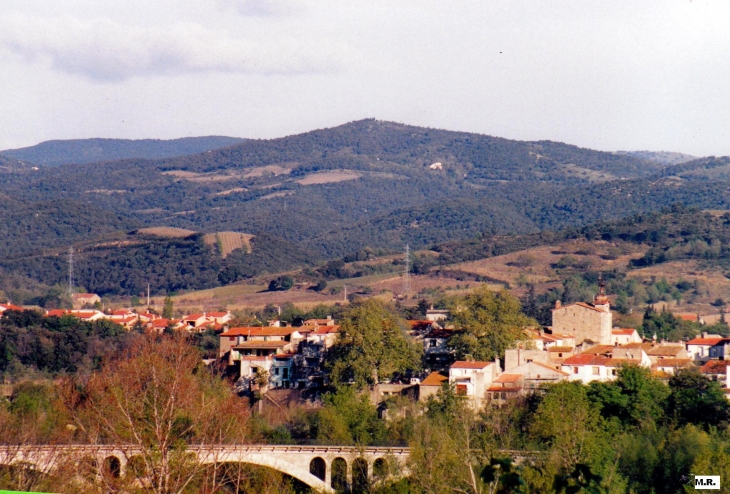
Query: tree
(371, 346)
(281, 283)
(635, 398)
(168, 308)
(159, 398)
(694, 399)
(573, 439)
(450, 448)
(348, 417)
(491, 322)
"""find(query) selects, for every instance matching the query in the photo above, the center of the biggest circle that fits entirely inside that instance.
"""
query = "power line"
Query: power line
(407, 273)
(70, 271)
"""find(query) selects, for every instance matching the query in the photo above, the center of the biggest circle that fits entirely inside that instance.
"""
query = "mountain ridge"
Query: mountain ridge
(81, 151)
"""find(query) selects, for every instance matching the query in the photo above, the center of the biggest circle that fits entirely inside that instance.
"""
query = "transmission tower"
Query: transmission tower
(70, 271)
(407, 273)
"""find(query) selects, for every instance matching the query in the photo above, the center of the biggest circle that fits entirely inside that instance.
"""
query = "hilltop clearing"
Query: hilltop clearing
(371, 183)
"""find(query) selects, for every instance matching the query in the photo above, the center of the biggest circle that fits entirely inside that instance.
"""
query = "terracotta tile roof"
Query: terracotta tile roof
(470, 365)
(260, 331)
(440, 333)
(193, 317)
(504, 389)
(4, 307)
(673, 362)
(706, 341)
(162, 323)
(434, 379)
(261, 344)
(508, 378)
(715, 367)
(560, 349)
(598, 350)
(623, 332)
(688, 317)
(420, 325)
(550, 368)
(667, 350)
(57, 313)
(587, 359)
(327, 330)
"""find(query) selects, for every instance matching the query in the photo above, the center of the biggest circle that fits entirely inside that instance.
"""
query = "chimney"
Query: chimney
(557, 304)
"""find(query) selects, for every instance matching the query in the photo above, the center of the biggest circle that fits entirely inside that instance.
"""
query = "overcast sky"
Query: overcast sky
(601, 74)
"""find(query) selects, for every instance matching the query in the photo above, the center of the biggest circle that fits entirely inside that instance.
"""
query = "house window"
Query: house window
(276, 371)
(285, 373)
(560, 355)
(575, 370)
(433, 343)
(596, 371)
(461, 389)
(613, 372)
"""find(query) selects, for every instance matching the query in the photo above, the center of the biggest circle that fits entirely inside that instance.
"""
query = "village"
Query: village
(582, 344)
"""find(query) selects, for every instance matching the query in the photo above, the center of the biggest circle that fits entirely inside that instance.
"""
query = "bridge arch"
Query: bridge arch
(339, 474)
(318, 467)
(298, 472)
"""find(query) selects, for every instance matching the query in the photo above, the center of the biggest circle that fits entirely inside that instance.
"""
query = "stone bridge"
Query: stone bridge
(324, 468)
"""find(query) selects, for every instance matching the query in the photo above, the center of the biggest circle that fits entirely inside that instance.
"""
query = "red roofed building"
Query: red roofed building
(623, 336)
(9, 306)
(431, 384)
(689, 317)
(587, 367)
(706, 347)
(237, 336)
(584, 321)
(472, 379)
(718, 370)
(85, 315)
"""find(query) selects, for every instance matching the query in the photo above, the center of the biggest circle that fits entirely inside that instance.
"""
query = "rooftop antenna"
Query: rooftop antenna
(70, 271)
(407, 273)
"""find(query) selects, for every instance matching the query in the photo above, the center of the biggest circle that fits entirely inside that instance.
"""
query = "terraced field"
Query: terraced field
(227, 242)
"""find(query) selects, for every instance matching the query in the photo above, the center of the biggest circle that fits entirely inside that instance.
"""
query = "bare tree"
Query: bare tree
(153, 404)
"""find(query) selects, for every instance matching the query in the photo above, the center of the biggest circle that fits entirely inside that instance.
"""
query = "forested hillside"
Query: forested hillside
(54, 153)
(328, 193)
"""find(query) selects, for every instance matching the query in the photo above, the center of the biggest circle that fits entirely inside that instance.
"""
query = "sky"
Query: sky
(618, 75)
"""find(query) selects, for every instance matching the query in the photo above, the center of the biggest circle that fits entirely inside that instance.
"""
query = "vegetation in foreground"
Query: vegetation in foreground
(638, 434)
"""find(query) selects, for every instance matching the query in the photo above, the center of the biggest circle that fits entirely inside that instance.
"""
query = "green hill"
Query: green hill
(61, 152)
(331, 192)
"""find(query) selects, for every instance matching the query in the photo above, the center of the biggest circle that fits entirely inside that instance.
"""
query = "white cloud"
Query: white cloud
(104, 50)
(264, 7)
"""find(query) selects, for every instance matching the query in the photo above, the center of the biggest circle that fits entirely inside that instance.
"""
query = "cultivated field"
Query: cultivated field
(166, 231)
(229, 241)
(329, 177)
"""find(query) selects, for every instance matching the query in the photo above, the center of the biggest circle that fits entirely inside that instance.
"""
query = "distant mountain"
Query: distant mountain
(54, 153)
(331, 192)
(664, 157)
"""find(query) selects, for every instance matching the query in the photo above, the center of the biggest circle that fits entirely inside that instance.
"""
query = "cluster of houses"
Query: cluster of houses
(581, 345)
(280, 356)
(149, 321)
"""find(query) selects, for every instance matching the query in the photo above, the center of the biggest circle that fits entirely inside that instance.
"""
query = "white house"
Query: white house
(699, 348)
(587, 368)
(472, 379)
(623, 336)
